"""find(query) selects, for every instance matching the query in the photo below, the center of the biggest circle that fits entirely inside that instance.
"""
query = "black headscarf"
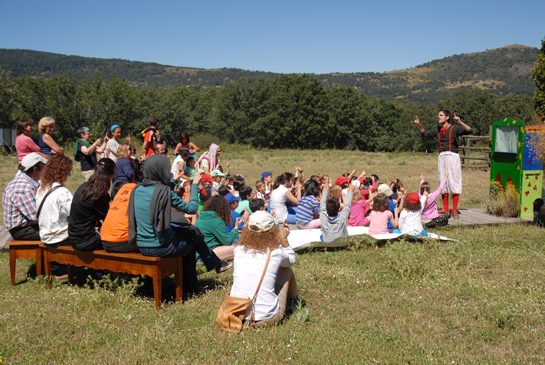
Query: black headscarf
(156, 173)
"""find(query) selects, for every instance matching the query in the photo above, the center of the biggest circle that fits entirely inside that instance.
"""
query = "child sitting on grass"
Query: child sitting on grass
(308, 212)
(358, 210)
(411, 207)
(260, 193)
(430, 214)
(245, 198)
(380, 216)
(335, 192)
(256, 204)
(190, 167)
(333, 223)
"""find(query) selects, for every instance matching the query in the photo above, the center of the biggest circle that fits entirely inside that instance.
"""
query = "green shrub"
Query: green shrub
(504, 202)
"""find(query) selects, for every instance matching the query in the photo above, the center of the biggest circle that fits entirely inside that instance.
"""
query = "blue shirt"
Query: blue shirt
(393, 206)
(307, 210)
(43, 146)
(235, 215)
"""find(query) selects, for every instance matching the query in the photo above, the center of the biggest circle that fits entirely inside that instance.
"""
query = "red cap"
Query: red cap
(341, 180)
(206, 178)
(413, 198)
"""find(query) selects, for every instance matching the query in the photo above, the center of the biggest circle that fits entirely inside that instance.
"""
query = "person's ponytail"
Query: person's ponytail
(99, 183)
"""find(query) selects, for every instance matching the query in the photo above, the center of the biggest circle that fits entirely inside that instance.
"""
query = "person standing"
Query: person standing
(449, 159)
(113, 143)
(46, 143)
(150, 137)
(85, 152)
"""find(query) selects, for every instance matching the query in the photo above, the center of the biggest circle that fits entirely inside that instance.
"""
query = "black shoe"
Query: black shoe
(223, 266)
(431, 224)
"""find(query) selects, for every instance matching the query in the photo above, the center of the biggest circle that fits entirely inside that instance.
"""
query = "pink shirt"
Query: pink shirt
(25, 145)
(357, 213)
(430, 210)
(379, 222)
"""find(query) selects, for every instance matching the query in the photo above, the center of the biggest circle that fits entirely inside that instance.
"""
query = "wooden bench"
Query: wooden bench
(24, 250)
(131, 263)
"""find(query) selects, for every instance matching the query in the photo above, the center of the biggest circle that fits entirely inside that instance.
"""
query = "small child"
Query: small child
(336, 193)
(256, 204)
(430, 215)
(380, 216)
(411, 207)
(397, 186)
(219, 178)
(190, 167)
(358, 210)
(308, 211)
(245, 197)
(333, 223)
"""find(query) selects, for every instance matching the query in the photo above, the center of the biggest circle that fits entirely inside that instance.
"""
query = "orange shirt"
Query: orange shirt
(149, 138)
(116, 224)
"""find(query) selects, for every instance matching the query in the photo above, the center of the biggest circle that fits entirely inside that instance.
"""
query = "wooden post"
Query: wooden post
(489, 145)
(468, 141)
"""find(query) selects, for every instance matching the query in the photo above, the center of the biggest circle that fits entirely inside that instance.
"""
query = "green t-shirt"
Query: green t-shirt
(243, 204)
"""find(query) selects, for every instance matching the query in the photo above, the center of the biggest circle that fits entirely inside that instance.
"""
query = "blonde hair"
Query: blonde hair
(44, 123)
(335, 192)
(356, 196)
(123, 151)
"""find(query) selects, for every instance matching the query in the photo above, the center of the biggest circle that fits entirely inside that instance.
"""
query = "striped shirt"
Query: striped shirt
(307, 209)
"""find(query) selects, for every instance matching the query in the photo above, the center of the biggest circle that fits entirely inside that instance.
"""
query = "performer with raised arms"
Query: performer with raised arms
(449, 159)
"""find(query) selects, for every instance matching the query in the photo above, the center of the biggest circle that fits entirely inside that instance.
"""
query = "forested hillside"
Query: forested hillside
(503, 71)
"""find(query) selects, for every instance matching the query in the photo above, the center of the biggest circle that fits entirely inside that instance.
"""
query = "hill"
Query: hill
(502, 71)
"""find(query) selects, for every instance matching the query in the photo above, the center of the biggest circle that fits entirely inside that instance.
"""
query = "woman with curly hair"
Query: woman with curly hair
(212, 220)
(259, 237)
(90, 206)
(55, 201)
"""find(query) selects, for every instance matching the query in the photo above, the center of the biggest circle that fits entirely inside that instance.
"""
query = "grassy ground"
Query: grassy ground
(479, 300)
(476, 300)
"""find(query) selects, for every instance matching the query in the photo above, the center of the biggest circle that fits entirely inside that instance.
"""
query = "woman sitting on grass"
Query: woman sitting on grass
(282, 194)
(90, 206)
(258, 238)
(212, 220)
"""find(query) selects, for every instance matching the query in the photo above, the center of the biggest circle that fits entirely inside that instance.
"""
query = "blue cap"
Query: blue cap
(265, 174)
(231, 198)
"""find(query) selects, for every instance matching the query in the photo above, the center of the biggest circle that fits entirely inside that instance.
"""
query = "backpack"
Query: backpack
(142, 135)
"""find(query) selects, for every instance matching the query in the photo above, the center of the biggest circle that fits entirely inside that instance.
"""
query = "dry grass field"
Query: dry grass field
(475, 300)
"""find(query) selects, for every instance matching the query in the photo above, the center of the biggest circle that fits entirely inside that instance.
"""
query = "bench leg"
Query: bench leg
(48, 272)
(12, 261)
(157, 286)
(38, 262)
(70, 272)
(178, 279)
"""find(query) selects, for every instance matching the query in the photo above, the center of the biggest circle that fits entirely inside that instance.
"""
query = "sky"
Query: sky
(277, 36)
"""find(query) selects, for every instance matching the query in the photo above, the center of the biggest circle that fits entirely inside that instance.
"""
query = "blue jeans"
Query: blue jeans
(179, 247)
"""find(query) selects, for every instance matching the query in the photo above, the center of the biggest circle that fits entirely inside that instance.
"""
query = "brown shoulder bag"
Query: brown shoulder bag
(232, 311)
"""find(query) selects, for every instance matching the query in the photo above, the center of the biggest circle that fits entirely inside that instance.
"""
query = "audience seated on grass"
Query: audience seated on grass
(281, 195)
(19, 200)
(381, 215)
(212, 221)
(278, 291)
(410, 208)
(308, 211)
(233, 204)
(256, 205)
(334, 223)
(54, 201)
(219, 179)
(245, 198)
(430, 214)
(150, 222)
(115, 230)
(358, 210)
(89, 207)
(385, 189)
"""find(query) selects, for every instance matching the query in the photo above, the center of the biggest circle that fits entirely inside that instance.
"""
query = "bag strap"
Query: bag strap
(263, 275)
(45, 197)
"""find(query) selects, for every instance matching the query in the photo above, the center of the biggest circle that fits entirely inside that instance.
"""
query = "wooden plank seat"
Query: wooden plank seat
(24, 250)
(131, 263)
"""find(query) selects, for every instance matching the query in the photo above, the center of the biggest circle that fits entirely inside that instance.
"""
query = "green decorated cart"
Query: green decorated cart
(515, 159)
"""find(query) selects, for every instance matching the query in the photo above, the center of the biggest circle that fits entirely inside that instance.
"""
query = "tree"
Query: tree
(539, 80)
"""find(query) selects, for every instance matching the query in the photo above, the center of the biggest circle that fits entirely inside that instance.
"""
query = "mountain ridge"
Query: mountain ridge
(502, 71)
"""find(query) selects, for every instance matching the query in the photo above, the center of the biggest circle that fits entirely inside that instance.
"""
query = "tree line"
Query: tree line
(292, 111)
